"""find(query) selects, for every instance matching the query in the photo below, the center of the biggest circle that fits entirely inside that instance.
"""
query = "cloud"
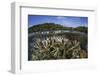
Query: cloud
(60, 17)
(30, 26)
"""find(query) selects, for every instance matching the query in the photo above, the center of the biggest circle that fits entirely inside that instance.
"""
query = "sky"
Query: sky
(68, 21)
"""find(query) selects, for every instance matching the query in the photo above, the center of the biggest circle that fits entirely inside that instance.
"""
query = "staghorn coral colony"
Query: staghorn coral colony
(61, 45)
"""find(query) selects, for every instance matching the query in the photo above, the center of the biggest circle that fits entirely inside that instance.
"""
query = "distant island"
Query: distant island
(55, 27)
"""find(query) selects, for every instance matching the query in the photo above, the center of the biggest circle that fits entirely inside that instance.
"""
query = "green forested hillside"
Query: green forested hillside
(53, 26)
(81, 29)
(47, 27)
